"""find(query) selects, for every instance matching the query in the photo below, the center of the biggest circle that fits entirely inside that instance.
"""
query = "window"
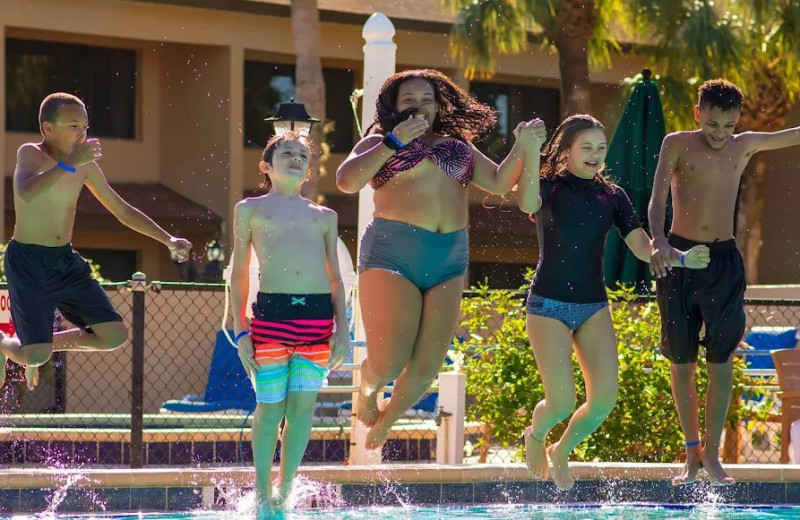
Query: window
(104, 78)
(116, 265)
(266, 85)
(514, 103)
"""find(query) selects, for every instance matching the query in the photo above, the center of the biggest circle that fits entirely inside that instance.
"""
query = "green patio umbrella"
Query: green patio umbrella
(632, 159)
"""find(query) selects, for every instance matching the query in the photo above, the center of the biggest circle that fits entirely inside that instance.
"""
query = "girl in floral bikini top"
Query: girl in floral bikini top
(412, 263)
(453, 157)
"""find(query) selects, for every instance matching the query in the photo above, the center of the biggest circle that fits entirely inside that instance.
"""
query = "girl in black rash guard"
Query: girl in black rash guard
(575, 206)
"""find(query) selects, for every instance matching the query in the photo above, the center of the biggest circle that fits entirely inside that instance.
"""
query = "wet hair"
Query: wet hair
(553, 159)
(48, 110)
(719, 93)
(272, 146)
(459, 115)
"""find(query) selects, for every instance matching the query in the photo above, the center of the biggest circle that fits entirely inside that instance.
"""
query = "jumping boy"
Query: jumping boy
(703, 169)
(42, 269)
(291, 342)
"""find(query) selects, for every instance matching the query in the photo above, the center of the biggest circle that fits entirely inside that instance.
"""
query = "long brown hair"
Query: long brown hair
(553, 159)
(459, 115)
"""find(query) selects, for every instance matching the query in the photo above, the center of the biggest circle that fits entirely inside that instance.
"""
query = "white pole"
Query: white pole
(452, 403)
(379, 63)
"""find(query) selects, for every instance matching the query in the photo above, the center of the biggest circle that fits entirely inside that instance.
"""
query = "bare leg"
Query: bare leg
(441, 309)
(391, 307)
(684, 392)
(720, 386)
(265, 437)
(294, 439)
(105, 336)
(551, 342)
(596, 347)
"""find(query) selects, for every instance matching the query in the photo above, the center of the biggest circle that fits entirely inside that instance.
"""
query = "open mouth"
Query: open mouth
(592, 164)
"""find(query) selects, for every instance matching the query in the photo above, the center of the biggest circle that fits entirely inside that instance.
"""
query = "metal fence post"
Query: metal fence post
(138, 285)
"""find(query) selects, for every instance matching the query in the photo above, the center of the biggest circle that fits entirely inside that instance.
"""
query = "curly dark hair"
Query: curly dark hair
(553, 161)
(48, 110)
(719, 93)
(272, 145)
(460, 115)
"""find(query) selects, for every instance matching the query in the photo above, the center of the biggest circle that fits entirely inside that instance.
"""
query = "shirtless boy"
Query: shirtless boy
(42, 269)
(702, 169)
(291, 342)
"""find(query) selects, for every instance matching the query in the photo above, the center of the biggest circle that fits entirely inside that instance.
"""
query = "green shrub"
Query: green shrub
(504, 385)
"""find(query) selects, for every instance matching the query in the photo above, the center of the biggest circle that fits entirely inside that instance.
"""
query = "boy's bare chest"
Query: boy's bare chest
(299, 226)
(713, 170)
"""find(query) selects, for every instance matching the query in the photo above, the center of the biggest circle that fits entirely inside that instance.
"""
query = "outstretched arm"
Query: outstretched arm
(639, 243)
(499, 179)
(130, 216)
(760, 141)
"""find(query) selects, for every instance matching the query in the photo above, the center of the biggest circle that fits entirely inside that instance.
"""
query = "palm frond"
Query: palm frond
(485, 28)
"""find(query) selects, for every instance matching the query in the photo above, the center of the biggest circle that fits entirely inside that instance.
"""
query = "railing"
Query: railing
(108, 408)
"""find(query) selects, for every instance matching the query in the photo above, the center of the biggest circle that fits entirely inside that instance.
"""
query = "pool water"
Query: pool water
(494, 512)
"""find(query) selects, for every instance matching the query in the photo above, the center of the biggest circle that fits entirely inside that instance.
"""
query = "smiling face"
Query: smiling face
(418, 94)
(717, 125)
(587, 154)
(69, 126)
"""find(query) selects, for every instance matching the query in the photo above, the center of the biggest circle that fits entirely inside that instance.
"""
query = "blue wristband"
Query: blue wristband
(692, 444)
(65, 166)
(683, 259)
(396, 140)
(240, 336)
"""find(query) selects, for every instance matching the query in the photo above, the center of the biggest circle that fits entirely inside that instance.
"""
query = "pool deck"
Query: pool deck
(27, 478)
(169, 489)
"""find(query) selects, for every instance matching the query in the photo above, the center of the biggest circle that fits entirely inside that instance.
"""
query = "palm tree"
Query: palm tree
(576, 28)
(764, 37)
(309, 80)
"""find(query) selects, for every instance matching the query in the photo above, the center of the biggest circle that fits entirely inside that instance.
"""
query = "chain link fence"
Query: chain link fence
(757, 439)
(169, 396)
(174, 394)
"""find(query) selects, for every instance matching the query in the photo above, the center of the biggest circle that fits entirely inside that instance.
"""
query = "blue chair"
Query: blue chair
(767, 339)
(228, 387)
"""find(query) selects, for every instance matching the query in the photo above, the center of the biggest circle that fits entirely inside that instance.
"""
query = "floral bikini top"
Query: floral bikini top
(453, 157)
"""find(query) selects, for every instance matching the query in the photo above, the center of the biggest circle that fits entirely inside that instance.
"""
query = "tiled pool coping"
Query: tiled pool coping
(29, 490)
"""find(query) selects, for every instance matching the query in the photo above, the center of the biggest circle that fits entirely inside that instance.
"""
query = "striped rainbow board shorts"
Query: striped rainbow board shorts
(291, 336)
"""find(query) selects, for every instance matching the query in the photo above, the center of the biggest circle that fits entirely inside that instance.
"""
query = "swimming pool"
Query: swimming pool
(516, 512)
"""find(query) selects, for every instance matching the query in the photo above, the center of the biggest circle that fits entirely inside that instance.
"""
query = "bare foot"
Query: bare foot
(535, 455)
(2, 369)
(716, 474)
(377, 435)
(32, 376)
(561, 477)
(367, 407)
(688, 472)
(264, 508)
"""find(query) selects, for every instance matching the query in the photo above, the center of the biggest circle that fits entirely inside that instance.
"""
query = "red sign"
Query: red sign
(5, 313)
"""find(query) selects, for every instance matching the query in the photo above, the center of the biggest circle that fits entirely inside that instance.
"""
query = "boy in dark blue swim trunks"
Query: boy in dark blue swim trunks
(42, 269)
(703, 169)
